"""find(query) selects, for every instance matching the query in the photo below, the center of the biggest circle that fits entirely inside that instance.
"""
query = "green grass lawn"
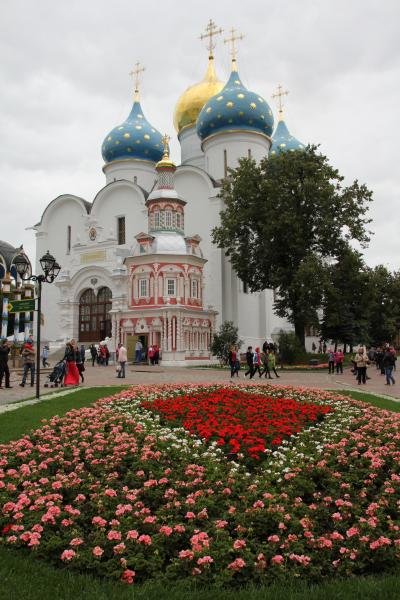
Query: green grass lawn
(25, 578)
(17, 422)
(372, 399)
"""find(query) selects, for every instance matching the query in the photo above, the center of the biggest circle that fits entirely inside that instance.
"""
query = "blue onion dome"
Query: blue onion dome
(134, 139)
(282, 140)
(234, 109)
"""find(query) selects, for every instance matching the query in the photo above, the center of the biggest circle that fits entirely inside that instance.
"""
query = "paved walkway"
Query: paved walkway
(99, 376)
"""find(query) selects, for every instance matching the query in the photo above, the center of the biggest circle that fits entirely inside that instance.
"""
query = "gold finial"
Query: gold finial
(165, 142)
(166, 161)
(280, 93)
(232, 41)
(136, 74)
(211, 31)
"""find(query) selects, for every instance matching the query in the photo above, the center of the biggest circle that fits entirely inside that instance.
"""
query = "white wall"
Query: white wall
(121, 199)
(236, 145)
(52, 235)
(138, 171)
(191, 152)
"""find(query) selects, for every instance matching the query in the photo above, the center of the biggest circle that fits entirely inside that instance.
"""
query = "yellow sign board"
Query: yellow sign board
(91, 257)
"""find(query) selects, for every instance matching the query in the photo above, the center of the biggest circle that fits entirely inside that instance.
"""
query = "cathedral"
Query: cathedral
(137, 261)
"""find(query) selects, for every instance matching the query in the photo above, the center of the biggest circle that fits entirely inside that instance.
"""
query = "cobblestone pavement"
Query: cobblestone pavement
(99, 376)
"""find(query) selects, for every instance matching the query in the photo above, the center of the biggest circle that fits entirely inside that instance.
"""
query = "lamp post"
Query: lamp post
(51, 269)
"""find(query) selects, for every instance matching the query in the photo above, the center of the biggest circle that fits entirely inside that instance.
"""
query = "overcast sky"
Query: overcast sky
(64, 84)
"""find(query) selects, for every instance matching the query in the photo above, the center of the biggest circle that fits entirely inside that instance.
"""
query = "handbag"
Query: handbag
(118, 369)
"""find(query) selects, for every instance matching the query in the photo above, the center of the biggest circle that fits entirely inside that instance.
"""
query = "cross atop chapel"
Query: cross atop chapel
(232, 41)
(136, 75)
(211, 31)
(280, 93)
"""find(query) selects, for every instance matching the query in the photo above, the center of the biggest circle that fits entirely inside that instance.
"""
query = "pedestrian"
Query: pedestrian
(70, 356)
(156, 354)
(151, 355)
(233, 361)
(138, 351)
(45, 356)
(80, 362)
(256, 363)
(103, 354)
(82, 351)
(28, 355)
(361, 360)
(339, 358)
(272, 362)
(93, 353)
(389, 363)
(4, 370)
(106, 354)
(122, 358)
(331, 361)
(265, 361)
(249, 360)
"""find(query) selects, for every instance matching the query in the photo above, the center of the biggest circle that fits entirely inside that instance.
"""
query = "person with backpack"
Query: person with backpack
(249, 360)
(233, 361)
(272, 363)
(256, 363)
(331, 361)
(265, 361)
(389, 363)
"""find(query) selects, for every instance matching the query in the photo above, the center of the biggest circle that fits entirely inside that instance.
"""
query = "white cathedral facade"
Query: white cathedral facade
(137, 260)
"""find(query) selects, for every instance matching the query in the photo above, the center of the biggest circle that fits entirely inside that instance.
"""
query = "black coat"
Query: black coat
(4, 352)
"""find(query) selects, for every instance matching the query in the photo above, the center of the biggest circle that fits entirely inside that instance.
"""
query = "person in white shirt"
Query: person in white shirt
(122, 358)
(138, 351)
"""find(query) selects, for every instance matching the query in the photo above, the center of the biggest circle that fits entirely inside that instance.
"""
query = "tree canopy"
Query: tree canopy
(283, 220)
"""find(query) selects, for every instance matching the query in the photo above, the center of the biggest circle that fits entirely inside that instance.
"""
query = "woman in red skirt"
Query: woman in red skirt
(72, 374)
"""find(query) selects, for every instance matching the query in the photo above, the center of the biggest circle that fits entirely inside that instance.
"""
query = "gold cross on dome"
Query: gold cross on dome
(211, 31)
(136, 74)
(280, 93)
(232, 41)
(165, 142)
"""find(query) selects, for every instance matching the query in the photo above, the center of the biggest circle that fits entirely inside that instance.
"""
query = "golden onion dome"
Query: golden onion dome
(194, 98)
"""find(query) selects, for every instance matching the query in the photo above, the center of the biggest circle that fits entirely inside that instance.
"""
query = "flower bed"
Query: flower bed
(114, 491)
(238, 421)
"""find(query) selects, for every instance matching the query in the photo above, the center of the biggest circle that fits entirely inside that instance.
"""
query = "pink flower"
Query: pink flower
(99, 522)
(114, 535)
(237, 564)
(221, 524)
(238, 544)
(144, 539)
(132, 535)
(97, 551)
(128, 576)
(166, 530)
(76, 542)
(352, 531)
(186, 554)
(277, 559)
(119, 548)
(68, 555)
(273, 538)
(205, 560)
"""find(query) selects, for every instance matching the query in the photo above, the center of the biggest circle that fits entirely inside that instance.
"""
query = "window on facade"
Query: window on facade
(142, 288)
(195, 288)
(121, 230)
(157, 219)
(171, 287)
(143, 248)
(178, 220)
(168, 218)
(69, 231)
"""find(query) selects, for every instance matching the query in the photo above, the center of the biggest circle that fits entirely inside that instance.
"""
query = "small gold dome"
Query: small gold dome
(191, 102)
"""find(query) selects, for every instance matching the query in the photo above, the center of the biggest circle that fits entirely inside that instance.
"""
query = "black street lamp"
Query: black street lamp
(51, 269)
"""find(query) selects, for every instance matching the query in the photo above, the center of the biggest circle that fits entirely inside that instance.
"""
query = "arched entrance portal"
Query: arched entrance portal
(94, 315)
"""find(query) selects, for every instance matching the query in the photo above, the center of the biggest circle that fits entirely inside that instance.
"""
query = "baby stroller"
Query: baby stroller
(56, 377)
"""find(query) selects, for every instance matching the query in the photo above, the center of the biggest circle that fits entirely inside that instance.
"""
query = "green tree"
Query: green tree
(224, 339)
(290, 349)
(346, 302)
(282, 219)
(384, 305)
